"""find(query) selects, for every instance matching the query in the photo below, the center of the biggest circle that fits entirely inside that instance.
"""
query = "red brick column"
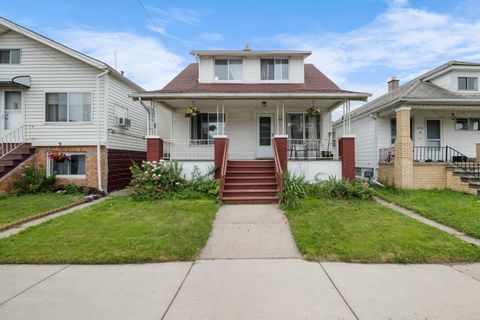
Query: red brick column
(154, 148)
(281, 142)
(346, 152)
(218, 150)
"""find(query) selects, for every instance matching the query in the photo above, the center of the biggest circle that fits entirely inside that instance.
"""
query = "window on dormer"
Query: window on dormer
(228, 69)
(10, 56)
(468, 83)
(274, 69)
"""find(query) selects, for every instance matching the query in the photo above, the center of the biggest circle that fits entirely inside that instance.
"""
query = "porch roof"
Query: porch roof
(186, 85)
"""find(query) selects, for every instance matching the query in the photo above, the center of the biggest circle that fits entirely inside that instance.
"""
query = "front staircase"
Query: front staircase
(15, 157)
(252, 182)
(468, 175)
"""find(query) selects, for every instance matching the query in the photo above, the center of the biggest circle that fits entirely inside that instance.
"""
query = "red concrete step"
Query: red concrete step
(7, 162)
(250, 185)
(250, 200)
(248, 168)
(249, 179)
(250, 193)
(251, 173)
(251, 163)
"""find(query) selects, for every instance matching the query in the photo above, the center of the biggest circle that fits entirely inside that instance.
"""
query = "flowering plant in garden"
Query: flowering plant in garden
(191, 112)
(59, 156)
(312, 111)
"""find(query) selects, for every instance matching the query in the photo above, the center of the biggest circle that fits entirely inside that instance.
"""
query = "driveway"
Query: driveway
(250, 269)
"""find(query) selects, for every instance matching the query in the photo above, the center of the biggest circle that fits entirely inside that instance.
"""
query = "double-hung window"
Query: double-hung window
(274, 69)
(68, 107)
(228, 69)
(467, 83)
(75, 167)
(206, 125)
(302, 126)
(10, 56)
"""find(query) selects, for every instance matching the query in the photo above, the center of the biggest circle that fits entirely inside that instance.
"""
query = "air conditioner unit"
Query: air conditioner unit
(123, 122)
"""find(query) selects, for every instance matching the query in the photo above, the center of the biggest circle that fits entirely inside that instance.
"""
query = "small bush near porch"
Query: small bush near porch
(363, 231)
(458, 210)
(118, 230)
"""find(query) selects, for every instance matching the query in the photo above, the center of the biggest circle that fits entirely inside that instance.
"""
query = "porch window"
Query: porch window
(468, 83)
(274, 69)
(68, 107)
(303, 126)
(206, 125)
(228, 69)
(475, 124)
(10, 56)
(461, 124)
(76, 167)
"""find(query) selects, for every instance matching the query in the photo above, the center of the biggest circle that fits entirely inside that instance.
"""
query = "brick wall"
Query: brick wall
(90, 179)
(119, 162)
(429, 176)
(478, 152)
(6, 182)
(455, 183)
(386, 173)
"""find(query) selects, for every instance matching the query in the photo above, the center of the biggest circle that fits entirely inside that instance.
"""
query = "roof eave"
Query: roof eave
(357, 96)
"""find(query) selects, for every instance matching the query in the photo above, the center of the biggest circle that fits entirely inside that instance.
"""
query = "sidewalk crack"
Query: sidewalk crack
(178, 290)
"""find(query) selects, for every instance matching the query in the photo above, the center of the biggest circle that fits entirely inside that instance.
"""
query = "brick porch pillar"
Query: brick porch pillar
(218, 150)
(403, 165)
(281, 141)
(346, 152)
(154, 148)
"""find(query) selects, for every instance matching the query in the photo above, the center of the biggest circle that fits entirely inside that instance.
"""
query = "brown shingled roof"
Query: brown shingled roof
(186, 82)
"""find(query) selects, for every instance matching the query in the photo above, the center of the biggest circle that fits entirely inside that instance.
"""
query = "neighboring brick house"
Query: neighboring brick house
(424, 133)
(260, 112)
(55, 98)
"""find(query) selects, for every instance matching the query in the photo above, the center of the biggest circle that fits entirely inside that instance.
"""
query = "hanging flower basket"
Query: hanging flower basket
(59, 156)
(312, 111)
(191, 112)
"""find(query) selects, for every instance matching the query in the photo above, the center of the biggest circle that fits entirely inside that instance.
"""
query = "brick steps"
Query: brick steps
(250, 182)
(15, 158)
(466, 176)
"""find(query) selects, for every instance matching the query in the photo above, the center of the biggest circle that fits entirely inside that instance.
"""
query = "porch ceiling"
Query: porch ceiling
(252, 104)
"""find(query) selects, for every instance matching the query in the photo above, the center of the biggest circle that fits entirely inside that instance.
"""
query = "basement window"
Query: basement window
(75, 168)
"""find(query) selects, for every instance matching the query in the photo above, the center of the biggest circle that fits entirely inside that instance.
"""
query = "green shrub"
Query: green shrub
(341, 189)
(71, 189)
(198, 187)
(33, 180)
(294, 190)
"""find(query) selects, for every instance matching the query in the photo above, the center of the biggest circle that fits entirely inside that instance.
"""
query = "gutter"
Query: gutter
(99, 153)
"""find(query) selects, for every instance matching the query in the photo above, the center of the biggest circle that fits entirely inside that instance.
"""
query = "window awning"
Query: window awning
(16, 82)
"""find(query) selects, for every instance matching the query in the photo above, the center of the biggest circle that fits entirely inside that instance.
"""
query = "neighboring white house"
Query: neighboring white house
(249, 97)
(59, 99)
(444, 124)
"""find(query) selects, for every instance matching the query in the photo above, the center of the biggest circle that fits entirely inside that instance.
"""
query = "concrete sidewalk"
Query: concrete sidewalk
(240, 289)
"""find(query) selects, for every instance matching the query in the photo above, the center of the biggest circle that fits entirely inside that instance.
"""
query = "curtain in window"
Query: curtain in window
(312, 127)
(79, 108)
(75, 166)
(267, 69)
(205, 126)
(235, 69)
(13, 100)
(221, 69)
(56, 107)
(295, 125)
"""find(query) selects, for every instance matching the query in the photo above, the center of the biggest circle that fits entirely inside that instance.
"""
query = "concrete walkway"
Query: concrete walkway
(248, 270)
(267, 289)
(250, 231)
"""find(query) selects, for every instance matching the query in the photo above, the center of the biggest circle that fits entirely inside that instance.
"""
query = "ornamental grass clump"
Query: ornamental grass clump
(294, 191)
(153, 180)
(341, 189)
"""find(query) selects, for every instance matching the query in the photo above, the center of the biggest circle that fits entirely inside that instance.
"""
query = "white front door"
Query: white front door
(265, 130)
(12, 111)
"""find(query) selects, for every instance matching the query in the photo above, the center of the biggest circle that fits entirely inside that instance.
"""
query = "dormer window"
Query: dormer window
(467, 83)
(10, 56)
(228, 69)
(274, 69)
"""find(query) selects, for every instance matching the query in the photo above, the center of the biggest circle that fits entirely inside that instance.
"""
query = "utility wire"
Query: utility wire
(152, 21)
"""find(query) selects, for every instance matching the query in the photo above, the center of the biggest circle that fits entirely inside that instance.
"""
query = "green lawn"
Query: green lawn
(117, 230)
(364, 231)
(13, 208)
(460, 211)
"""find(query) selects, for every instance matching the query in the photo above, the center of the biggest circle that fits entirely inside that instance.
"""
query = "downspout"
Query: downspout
(148, 114)
(99, 148)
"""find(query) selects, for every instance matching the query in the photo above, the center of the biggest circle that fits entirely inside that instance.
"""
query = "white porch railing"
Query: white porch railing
(187, 149)
(300, 149)
(15, 139)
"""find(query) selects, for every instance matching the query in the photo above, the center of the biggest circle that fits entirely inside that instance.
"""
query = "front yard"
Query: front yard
(118, 230)
(460, 211)
(327, 229)
(15, 208)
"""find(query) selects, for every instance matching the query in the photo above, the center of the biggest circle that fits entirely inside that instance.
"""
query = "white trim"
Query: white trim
(347, 136)
(284, 136)
(92, 93)
(220, 136)
(403, 108)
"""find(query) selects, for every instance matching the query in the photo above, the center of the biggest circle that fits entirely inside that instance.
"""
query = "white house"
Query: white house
(249, 97)
(440, 132)
(55, 98)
